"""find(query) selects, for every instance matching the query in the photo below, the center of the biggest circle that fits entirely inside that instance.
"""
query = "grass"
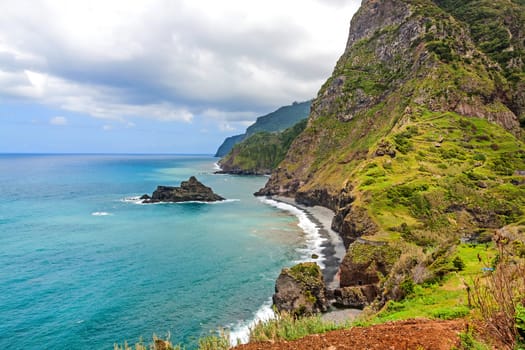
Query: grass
(447, 299)
(213, 341)
(287, 327)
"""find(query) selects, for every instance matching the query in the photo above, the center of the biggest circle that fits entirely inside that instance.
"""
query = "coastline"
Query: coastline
(333, 254)
(316, 224)
(333, 249)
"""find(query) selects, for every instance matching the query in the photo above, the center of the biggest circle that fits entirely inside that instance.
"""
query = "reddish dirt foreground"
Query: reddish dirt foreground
(401, 335)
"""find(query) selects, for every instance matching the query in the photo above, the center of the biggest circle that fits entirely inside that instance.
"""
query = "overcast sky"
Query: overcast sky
(170, 76)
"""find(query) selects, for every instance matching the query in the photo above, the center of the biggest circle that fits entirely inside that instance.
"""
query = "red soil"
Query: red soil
(411, 334)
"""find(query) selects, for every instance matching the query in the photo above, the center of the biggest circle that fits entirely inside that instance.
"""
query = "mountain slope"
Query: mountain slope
(279, 120)
(414, 141)
(261, 152)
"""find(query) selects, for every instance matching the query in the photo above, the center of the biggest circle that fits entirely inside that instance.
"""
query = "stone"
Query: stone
(191, 190)
(301, 290)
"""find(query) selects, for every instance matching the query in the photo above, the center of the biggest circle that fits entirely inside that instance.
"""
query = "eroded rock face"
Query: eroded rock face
(191, 190)
(355, 297)
(353, 222)
(300, 290)
(366, 262)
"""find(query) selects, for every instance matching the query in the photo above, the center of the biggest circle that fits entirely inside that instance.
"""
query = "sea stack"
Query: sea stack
(191, 190)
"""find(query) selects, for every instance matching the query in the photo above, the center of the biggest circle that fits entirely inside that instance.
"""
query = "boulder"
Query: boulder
(191, 190)
(301, 290)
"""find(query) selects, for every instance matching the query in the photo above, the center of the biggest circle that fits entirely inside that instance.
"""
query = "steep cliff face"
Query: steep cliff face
(415, 139)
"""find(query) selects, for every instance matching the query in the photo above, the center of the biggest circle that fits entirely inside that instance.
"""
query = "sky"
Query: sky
(157, 76)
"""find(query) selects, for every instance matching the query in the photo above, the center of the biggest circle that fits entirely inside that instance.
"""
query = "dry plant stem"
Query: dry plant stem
(497, 294)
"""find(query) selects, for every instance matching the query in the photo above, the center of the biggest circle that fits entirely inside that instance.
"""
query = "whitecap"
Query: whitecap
(101, 213)
(202, 202)
(240, 333)
(134, 200)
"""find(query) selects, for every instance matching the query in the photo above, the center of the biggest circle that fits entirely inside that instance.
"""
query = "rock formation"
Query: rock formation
(191, 190)
(300, 290)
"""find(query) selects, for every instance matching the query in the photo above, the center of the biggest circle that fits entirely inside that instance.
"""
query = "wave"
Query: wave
(313, 245)
(240, 333)
(101, 213)
(137, 200)
(314, 240)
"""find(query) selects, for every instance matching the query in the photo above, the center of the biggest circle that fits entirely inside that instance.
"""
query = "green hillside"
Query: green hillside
(278, 120)
(261, 152)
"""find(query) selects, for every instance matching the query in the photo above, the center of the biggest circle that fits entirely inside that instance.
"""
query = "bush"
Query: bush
(468, 342)
(458, 263)
(451, 313)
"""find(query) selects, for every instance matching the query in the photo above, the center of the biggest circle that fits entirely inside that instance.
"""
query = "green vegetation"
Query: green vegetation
(277, 121)
(281, 119)
(213, 341)
(261, 152)
(495, 28)
(308, 273)
(288, 327)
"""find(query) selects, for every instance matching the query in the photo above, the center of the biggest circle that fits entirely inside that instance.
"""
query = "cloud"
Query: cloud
(170, 60)
(61, 121)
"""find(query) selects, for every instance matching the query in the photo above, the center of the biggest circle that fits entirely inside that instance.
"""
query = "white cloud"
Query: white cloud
(170, 59)
(58, 121)
(37, 80)
(107, 127)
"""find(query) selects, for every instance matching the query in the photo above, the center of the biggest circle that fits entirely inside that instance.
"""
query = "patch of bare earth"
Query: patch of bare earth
(411, 334)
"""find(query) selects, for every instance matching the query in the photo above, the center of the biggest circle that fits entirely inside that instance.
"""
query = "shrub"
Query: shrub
(479, 156)
(450, 313)
(458, 263)
(468, 342)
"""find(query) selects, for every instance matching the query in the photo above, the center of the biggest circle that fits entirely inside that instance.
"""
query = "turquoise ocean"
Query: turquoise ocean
(84, 265)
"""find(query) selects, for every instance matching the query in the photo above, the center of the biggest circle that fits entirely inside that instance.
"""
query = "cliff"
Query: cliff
(415, 139)
(276, 121)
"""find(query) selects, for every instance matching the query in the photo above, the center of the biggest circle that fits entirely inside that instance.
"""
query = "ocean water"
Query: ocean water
(83, 265)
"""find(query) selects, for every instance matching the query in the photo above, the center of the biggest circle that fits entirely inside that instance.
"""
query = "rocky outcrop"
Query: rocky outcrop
(366, 262)
(191, 190)
(355, 297)
(353, 222)
(300, 290)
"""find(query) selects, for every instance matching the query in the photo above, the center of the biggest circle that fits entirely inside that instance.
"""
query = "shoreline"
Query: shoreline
(333, 249)
(333, 252)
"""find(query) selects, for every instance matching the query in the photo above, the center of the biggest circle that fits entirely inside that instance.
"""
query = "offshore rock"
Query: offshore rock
(301, 290)
(191, 190)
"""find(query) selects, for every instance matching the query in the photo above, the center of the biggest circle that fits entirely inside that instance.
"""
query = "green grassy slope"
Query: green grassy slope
(261, 152)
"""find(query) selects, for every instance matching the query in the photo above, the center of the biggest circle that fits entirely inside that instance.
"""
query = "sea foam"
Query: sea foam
(313, 239)
(101, 213)
(240, 333)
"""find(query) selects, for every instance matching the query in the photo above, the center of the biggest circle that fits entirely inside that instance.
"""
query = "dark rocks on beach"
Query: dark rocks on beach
(191, 190)
(301, 290)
